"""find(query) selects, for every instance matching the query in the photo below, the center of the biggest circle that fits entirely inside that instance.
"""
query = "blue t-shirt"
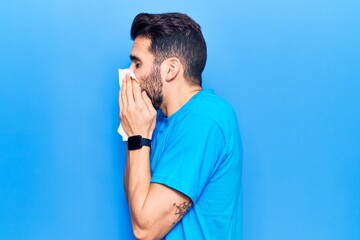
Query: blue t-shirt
(198, 152)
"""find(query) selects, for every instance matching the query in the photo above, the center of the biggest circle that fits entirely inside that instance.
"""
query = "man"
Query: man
(186, 184)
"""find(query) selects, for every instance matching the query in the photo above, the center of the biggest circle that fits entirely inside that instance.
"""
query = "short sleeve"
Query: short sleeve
(191, 155)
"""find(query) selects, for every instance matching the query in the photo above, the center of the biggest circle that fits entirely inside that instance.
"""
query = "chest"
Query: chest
(159, 142)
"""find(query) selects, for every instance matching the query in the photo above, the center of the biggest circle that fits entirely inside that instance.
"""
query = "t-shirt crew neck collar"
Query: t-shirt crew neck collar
(187, 104)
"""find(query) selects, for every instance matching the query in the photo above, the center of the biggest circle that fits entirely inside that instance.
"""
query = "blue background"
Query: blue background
(291, 69)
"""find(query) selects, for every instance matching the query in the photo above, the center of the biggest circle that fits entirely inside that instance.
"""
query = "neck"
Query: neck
(176, 96)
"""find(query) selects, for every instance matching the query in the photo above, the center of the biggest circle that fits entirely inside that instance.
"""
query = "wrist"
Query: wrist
(142, 134)
(147, 136)
(137, 142)
(140, 155)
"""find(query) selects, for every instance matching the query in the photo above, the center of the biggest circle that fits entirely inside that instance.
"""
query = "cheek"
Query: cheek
(142, 79)
(140, 73)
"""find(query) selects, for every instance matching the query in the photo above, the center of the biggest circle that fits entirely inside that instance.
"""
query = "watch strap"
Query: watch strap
(146, 142)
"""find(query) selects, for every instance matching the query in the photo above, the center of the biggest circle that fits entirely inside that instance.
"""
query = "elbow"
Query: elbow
(144, 234)
(138, 232)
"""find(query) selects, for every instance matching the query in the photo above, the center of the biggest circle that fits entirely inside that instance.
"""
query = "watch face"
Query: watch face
(134, 142)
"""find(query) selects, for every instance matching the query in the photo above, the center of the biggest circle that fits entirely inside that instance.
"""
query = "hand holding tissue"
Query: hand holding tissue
(122, 74)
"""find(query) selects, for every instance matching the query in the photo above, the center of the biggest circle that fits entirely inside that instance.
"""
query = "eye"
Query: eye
(137, 65)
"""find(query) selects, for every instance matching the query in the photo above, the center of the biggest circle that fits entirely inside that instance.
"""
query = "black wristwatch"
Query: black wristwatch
(137, 142)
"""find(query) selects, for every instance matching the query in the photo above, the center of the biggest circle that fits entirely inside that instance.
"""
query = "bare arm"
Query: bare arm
(154, 208)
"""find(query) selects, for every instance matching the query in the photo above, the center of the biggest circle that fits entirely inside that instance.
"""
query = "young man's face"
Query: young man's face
(146, 71)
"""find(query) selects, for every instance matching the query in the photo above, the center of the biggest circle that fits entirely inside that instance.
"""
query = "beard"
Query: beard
(152, 85)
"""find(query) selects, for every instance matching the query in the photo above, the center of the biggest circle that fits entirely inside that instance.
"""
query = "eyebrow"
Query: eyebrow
(134, 58)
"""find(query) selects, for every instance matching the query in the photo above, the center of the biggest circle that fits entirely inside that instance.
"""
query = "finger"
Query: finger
(137, 92)
(121, 106)
(123, 95)
(129, 93)
(147, 101)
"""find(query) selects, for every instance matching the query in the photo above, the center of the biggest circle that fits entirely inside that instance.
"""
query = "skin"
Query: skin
(154, 208)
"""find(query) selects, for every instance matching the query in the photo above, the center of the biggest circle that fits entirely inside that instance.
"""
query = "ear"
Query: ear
(173, 66)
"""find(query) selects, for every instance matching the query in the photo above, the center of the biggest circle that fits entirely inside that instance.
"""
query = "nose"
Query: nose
(132, 67)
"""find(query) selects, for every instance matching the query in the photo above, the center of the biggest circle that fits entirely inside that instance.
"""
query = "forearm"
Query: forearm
(126, 178)
(138, 183)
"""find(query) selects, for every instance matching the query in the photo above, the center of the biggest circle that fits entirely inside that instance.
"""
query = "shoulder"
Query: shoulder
(210, 107)
(209, 103)
(205, 112)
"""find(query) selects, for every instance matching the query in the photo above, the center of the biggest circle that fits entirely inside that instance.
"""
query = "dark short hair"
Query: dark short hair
(174, 35)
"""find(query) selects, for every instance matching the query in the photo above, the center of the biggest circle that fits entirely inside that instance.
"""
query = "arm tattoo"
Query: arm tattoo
(181, 210)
